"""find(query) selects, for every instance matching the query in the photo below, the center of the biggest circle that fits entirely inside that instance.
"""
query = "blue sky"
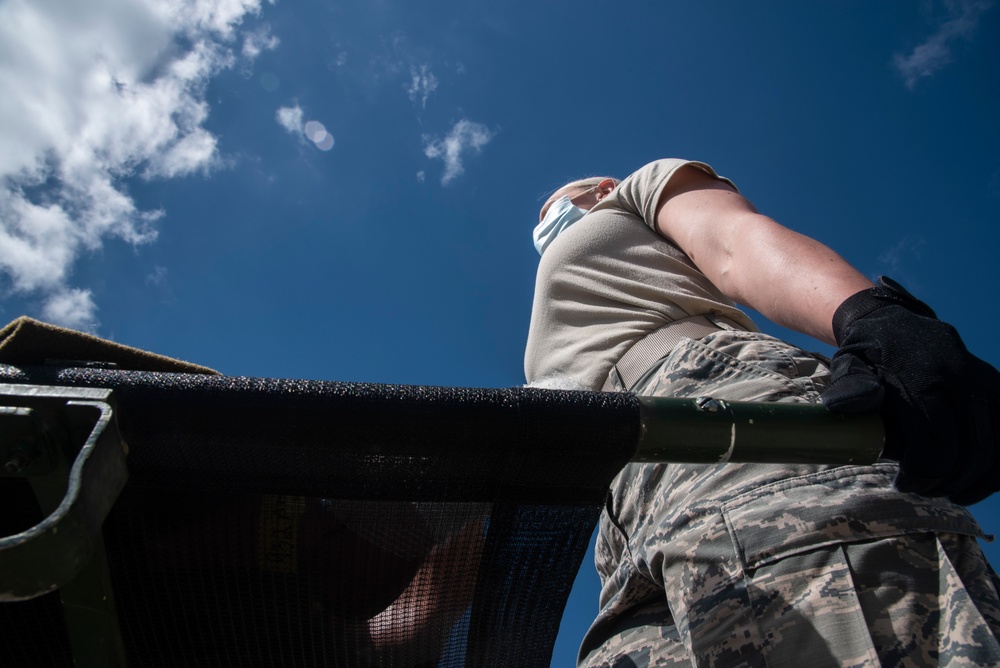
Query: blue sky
(346, 191)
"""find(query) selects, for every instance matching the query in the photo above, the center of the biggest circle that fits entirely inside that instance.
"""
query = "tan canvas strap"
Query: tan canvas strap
(659, 343)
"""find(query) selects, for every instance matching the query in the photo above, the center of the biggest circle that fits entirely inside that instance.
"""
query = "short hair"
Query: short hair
(588, 182)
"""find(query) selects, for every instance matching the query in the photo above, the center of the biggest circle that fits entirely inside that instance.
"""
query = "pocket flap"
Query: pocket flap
(841, 505)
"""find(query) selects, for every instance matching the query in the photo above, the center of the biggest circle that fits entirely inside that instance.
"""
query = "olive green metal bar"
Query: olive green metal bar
(711, 431)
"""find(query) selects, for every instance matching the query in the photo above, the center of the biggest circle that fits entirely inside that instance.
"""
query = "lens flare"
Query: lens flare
(317, 134)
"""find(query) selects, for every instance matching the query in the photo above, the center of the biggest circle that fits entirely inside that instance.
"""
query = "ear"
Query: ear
(605, 187)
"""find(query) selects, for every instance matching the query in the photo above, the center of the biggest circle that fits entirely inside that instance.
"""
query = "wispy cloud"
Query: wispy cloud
(935, 52)
(158, 276)
(897, 260)
(465, 137)
(393, 62)
(258, 41)
(95, 93)
(422, 84)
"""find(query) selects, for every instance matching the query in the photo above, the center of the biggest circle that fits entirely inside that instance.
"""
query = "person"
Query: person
(759, 564)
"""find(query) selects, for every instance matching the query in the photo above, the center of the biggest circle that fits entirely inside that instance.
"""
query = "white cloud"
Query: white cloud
(71, 307)
(935, 52)
(198, 17)
(422, 84)
(464, 137)
(94, 93)
(258, 41)
(290, 118)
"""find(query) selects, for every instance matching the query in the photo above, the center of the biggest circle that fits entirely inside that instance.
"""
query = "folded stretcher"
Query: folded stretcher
(153, 518)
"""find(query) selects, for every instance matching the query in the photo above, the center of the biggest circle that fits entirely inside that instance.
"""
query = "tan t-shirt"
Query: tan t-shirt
(610, 279)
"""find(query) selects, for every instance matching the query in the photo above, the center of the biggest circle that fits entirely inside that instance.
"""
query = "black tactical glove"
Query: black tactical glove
(940, 404)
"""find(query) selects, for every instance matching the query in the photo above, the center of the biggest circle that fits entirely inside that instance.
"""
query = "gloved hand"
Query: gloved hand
(940, 404)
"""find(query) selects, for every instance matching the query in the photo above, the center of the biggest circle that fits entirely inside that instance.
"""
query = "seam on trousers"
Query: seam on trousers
(858, 608)
(609, 510)
(945, 561)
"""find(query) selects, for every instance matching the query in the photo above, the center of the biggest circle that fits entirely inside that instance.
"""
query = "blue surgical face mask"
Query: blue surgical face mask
(560, 215)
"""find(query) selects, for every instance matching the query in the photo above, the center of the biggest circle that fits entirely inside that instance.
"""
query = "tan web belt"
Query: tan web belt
(658, 344)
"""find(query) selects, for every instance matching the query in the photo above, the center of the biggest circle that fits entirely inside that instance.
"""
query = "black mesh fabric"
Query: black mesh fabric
(293, 523)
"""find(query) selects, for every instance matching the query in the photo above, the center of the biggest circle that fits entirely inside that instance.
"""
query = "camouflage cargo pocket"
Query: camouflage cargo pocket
(737, 366)
(844, 504)
(841, 570)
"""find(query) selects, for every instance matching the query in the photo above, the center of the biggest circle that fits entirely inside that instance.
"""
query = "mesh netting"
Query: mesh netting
(290, 523)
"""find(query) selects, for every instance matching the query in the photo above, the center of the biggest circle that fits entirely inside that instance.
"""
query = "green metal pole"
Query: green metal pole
(711, 431)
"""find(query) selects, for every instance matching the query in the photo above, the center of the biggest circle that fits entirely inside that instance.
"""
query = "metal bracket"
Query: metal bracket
(75, 484)
(65, 441)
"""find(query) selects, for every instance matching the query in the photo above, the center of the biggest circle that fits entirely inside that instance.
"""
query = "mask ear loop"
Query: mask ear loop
(593, 187)
(596, 187)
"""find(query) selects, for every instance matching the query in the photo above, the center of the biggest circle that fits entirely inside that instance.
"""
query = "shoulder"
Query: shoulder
(657, 173)
(640, 192)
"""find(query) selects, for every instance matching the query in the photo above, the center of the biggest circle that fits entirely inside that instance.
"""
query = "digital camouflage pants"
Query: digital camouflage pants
(781, 565)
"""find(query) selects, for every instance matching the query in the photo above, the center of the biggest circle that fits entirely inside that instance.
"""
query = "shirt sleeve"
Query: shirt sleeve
(639, 194)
